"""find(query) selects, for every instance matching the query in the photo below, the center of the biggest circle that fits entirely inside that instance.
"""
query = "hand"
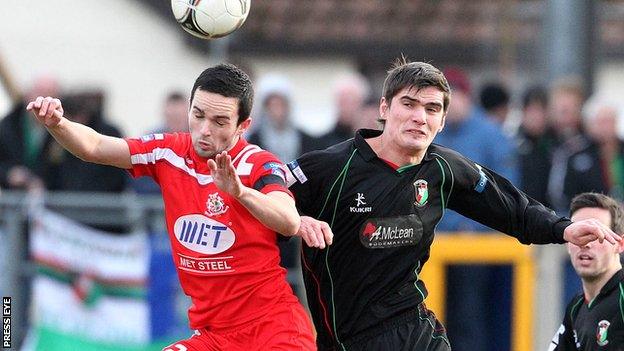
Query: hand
(315, 233)
(582, 232)
(48, 110)
(224, 175)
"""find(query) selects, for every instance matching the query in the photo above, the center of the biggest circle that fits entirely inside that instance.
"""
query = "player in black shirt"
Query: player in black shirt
(594, 320)
(381, 194)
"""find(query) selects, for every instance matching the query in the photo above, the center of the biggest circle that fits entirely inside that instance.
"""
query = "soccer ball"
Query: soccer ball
(209, 19)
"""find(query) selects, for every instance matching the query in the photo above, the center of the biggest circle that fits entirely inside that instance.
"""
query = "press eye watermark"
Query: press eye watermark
(6, 322)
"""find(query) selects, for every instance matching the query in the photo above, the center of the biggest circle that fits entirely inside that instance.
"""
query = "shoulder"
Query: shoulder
(573, 306)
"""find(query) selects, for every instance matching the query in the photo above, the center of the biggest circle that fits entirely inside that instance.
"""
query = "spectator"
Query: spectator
(62, 171)
(175, 114)
(471, 288)
(601, 118)
(575, 167)
(277, 132)
(494, 99)
(534, 144)
(21, 139)
(350, 93)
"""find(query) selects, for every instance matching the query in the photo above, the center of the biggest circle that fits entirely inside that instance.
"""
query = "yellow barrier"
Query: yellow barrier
(467, 248)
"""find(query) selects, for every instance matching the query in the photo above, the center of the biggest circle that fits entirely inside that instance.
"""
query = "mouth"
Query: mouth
(204, 145)
(584, 257)
(416, 132)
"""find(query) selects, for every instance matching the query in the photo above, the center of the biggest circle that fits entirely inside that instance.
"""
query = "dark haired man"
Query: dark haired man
(380, 195)
(224, 200)
(594, 320)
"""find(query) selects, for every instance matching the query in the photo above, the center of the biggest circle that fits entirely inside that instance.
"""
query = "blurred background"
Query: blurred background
(536, 97)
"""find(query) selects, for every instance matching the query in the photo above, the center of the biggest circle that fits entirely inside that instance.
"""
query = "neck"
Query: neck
(591, 288)
(389, 150)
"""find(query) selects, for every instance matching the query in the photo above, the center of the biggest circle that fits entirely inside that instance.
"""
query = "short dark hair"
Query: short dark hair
(605, 202)
(535, 94)
(229, 81)
(175, 96)
(415, 74)
(493, 95)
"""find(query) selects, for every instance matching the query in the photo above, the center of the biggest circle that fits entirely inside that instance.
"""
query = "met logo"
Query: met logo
(202, 234)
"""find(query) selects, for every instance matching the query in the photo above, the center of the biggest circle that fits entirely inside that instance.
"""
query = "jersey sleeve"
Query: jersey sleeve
(564, 339)
(268, 174)
(145, 151)
(303, 181)
(490, 199)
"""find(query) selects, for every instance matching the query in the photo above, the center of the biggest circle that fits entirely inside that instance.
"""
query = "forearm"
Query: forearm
(80, 140)
(277, 212)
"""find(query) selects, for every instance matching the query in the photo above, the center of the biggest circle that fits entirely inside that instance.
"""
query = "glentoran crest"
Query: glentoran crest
(422, 192)
(601, 332)
(215, 205)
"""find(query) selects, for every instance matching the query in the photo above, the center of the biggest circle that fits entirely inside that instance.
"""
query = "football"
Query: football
(210, 19)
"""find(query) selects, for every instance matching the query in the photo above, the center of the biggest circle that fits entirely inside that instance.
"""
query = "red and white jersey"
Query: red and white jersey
(227, 261)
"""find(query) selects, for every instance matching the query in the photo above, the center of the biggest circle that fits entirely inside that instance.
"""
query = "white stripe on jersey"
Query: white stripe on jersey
(171, 157)
(243, 168)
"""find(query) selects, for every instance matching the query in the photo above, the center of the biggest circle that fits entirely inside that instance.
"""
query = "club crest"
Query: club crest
(422, 192)
(601, 332)
(215, 205)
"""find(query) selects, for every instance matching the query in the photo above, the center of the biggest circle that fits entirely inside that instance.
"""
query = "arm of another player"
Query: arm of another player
(315, 233)
(276, 210)
(82, 141)
(581, 233)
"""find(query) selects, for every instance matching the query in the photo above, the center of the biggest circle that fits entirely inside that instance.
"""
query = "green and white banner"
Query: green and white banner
(90, 289)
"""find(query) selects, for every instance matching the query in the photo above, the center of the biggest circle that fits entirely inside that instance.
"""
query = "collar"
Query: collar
(367, 152)
(238, 147)
(613, 283)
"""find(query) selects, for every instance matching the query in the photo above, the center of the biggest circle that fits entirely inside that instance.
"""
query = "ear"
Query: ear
(620, 246)
(442, 122)
(383, 107)
(242, 128)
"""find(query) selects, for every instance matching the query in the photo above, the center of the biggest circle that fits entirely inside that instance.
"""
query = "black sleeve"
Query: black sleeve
(488, 198)
(563, 340)
(301, 184)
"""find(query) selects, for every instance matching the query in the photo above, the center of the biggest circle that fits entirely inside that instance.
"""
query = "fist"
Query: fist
(47, 110)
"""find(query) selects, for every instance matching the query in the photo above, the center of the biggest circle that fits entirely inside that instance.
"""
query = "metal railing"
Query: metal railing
(145, 213)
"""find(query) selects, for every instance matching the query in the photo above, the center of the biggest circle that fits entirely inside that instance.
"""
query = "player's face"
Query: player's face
(414, 117)
(593, 260)
(213, 123)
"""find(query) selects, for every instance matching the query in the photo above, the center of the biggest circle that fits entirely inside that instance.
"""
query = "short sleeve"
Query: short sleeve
(145, 151)
(268, 174)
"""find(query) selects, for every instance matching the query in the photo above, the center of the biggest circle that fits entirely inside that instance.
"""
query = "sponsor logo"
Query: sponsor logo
(601, 332)
(422, 192)
(215, 205)
(360, 202)
(212, 265)
(297, 172)
(482, 180)
(150, 137)
(276, 169)
(202, 234)
(391, 232)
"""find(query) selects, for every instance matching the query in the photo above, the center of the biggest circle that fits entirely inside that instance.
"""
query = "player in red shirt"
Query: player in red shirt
(225, 200)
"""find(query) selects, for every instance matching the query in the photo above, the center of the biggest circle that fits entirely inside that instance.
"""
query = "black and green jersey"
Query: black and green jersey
(594, 325)
(383, 220)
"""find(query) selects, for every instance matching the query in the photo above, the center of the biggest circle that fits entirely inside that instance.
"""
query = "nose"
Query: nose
(419, 115)
(204, 128)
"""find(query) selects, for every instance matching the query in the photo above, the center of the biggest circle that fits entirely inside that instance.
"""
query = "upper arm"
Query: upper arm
(113, 151)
